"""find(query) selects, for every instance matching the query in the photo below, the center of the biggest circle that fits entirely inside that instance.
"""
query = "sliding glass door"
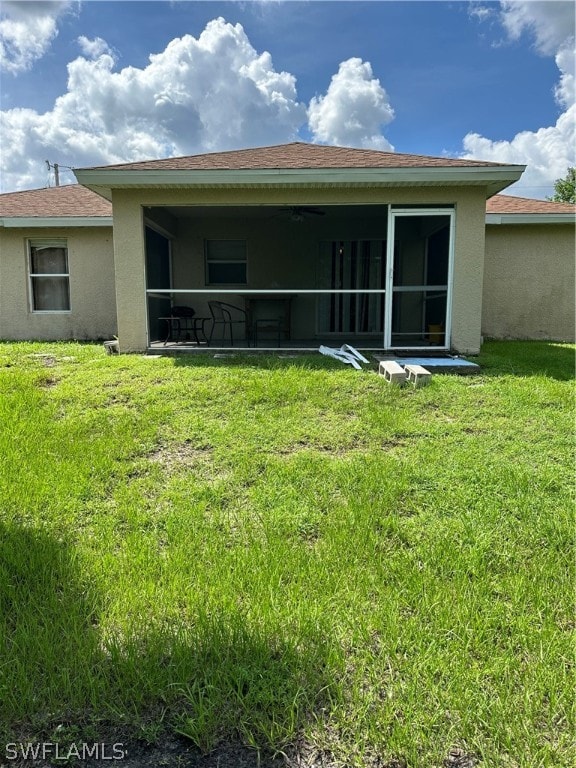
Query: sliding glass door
(352, 275)
(419, 278)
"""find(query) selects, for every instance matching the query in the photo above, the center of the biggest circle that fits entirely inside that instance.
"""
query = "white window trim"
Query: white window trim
(59, 242)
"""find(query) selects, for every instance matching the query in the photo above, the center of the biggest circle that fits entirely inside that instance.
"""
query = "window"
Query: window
(226, 262)
(49, 277)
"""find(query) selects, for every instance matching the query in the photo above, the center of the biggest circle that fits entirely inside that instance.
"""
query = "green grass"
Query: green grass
(290, 552)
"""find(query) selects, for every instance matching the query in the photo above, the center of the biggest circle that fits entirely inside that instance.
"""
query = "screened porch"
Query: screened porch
(295, 277)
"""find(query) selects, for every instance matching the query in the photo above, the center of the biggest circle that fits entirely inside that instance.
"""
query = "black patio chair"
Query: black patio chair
(227, 316)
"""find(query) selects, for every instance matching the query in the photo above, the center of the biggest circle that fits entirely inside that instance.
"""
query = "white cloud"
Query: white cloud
(27, 30)
(548, 151)
(565, 91)
(550, 21)
(93, 48)
(552, 25)
(353, 110)
(212, 93)
(481, 12)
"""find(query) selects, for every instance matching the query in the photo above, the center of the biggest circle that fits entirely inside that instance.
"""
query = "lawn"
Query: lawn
(289, 554)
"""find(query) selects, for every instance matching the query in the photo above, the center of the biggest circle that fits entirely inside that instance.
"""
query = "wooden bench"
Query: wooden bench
(418, 375)
(392, 372)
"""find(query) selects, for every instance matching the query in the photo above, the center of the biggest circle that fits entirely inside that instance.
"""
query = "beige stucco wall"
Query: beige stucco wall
(529, 286)
(469, 244)
(130, 271)
(92, 299)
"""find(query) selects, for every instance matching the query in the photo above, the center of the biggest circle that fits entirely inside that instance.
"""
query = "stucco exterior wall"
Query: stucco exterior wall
(92, 312)
(130, 271)
(128, 206)
(529, 284)
(468, 272)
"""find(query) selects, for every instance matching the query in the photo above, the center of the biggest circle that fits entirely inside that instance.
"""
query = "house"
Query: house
(529, 287)
(69, 293)
(313, 244)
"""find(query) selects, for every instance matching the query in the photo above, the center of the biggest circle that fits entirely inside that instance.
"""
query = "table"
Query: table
(268, 313)
(180, 328)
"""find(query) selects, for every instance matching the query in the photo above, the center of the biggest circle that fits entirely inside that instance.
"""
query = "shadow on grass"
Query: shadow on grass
(264, 361)
(528, 358)
(217, 680)
(234, 684)
(49, 644)
(497, 358)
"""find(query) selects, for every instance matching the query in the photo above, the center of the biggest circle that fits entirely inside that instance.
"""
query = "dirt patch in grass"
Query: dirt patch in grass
(341, 451)
(47, 382)
(311, 447)
(459, 758)
(47, 360)
(186, 457)
(176, 455)
(175, 752)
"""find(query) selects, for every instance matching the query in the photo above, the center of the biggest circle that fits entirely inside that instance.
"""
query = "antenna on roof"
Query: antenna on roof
(56, 172)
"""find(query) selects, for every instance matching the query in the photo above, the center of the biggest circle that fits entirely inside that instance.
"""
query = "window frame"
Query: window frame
(60, 242)
(208, 261)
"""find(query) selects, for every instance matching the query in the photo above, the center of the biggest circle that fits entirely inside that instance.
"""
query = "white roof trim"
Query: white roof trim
(495, 178)
(530, 218)
(31, 222)
(37, 222)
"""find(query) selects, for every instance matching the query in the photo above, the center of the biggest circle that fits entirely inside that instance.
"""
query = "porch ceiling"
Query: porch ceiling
(280, 212)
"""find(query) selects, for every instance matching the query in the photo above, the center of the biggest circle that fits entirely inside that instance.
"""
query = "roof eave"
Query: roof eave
(37, 222)
(494, 178)
(530, 218)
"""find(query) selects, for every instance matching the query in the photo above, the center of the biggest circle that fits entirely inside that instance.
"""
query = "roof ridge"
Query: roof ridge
(206, 154)
(329, 150)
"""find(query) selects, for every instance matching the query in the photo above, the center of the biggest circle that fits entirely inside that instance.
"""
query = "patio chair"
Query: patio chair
(227, 316)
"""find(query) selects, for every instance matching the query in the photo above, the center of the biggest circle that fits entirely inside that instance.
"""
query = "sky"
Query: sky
(95, 82)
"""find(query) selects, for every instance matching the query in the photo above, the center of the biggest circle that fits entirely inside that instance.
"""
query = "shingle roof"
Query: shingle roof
(54, 202)
(296, 156)
(76, 200)
(525, 205)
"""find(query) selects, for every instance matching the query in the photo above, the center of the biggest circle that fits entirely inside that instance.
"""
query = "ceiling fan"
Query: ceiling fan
(299, 212)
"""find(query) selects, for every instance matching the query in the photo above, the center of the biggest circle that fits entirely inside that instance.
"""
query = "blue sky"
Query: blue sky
(488, 80)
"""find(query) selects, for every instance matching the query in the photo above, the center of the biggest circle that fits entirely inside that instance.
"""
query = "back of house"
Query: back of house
(313, 244)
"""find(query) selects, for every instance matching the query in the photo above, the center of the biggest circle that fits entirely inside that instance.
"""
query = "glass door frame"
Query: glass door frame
(393, 213)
